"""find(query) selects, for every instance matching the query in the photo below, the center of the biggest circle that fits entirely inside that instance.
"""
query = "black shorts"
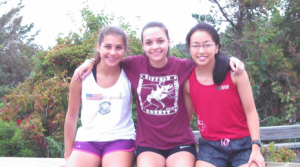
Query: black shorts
(231, 152)
(166, 153)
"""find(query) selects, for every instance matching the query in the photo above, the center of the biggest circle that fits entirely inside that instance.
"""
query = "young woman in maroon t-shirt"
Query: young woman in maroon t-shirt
(163, 137)
(224, 104)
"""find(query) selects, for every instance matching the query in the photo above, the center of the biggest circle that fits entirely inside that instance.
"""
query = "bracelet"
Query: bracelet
(90, 60)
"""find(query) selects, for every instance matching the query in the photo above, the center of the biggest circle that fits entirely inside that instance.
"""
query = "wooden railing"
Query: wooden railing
(57, 162)
(275, 133)
(266, 133)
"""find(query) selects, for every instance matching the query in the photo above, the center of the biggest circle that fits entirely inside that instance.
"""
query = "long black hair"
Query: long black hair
(222, 60)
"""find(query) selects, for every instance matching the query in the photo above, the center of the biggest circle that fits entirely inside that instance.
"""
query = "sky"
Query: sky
(52, 17)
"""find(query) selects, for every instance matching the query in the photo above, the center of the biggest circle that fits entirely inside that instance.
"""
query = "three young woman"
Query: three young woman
(224, 104)
(107, 133)
(163, 135)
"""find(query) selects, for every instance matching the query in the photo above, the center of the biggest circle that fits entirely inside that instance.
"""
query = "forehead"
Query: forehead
(201, 36)
(113, 39)
(153, 33)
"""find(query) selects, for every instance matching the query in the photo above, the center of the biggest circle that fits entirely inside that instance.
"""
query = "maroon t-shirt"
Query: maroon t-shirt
(162, 118)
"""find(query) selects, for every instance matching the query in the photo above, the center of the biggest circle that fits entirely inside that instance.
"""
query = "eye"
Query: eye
(160, 41)
(148, 43)
(107, 46)
(119, 47)
(207, 45)
(195, 46)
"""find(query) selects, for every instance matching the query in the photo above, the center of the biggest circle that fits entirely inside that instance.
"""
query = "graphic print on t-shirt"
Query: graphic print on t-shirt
(104, 107)
(158, 95)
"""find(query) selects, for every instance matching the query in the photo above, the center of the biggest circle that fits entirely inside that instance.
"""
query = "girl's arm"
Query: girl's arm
(236, 65)
(72, 116)
(188, 100)
(83, 70)
(245, 92)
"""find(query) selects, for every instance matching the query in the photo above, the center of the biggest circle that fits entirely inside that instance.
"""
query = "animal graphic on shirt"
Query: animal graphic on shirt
(158, 92)
(158, 95)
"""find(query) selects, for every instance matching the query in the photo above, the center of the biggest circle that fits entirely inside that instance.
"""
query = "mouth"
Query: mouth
(112, 59)
(201, 58)
(157, 53)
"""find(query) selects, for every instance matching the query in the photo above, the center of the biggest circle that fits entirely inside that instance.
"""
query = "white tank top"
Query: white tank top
(106, 112)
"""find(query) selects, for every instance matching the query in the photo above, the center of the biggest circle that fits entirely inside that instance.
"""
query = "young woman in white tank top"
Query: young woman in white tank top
(107, 133)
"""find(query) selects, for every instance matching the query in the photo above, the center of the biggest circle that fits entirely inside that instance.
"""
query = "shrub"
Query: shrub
(281, 154)
(12, 141)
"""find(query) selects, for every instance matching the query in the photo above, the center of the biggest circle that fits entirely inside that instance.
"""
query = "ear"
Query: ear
(169, 42)
(98, 47)
(142, 46)
(217, 49)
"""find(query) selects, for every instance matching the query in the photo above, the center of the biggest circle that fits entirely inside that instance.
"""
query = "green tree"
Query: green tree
(237, 13)
(16, 47)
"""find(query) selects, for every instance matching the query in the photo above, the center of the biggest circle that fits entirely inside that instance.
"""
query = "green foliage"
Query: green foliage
(12, 141)
(5, 89)
(179, 50)
(278, 155)
(39, 106)
(55, 147)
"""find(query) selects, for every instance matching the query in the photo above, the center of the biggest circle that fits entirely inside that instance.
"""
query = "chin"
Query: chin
(202, 63)
(109, 64)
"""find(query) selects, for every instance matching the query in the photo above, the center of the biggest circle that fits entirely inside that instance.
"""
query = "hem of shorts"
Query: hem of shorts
(166, 148)
(205, 161)
(87, 152)
(218, 139)
(133, 148)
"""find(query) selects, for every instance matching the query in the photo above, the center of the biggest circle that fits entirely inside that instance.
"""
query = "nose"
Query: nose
(155, 45)
(112, 51)
(201, 49)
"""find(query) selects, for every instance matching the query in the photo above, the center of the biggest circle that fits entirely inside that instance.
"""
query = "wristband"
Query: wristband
(90, 60)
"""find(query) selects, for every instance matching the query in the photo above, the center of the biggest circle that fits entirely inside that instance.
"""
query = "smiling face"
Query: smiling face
(203, 48)
(155, 44)
(111, 50)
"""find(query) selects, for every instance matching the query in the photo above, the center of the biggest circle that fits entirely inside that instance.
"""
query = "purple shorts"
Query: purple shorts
(101, 148)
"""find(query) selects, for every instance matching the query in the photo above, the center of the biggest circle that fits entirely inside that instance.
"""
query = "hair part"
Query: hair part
(221, 60)
(159, 25)
(110, 30)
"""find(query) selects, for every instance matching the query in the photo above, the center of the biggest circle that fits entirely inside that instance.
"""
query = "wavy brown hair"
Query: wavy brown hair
(110, 30)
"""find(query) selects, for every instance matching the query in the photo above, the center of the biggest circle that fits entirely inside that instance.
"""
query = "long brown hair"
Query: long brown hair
(110, 30)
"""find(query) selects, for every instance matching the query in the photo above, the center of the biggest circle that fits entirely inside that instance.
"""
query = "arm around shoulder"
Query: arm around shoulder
(83, 70)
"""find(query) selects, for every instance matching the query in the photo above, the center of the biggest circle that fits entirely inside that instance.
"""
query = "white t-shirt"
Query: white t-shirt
(106, 112)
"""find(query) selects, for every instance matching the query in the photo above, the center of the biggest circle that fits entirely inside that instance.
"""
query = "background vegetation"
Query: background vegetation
(34, 82)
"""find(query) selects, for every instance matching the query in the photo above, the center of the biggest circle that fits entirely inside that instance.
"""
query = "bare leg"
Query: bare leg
(203, 164)
(83, 159)
(118, 158)
(253, 164)
(150, 159)
(182, 158)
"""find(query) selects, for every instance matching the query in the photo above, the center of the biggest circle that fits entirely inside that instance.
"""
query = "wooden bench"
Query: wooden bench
(266, 133)
(56, 162)
(275, 133)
